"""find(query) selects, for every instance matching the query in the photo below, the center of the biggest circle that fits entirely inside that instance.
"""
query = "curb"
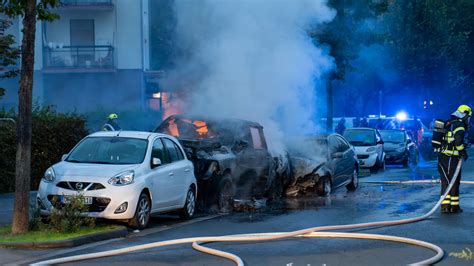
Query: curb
(73, 242)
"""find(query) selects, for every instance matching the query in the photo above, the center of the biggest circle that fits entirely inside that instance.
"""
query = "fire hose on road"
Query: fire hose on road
(316, 232)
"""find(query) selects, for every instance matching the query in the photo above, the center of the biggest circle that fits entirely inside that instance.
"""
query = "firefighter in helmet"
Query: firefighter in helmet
(111, 124)
(453, 150)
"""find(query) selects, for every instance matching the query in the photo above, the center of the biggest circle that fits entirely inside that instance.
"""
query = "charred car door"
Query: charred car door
(253, 160)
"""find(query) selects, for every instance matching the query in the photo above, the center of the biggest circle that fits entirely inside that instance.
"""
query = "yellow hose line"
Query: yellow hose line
(312, 232)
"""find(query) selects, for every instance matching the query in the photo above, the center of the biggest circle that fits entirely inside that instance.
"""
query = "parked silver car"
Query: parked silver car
(123, 175)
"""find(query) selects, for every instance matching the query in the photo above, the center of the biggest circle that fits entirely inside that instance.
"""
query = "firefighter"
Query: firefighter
(453, 150)
(111, 124)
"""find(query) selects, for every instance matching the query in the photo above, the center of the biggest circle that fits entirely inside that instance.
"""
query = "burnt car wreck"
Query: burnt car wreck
(231, 159)
(321, 164)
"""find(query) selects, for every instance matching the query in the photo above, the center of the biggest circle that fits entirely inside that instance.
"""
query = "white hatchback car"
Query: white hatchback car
(368, 147)
(123, 175)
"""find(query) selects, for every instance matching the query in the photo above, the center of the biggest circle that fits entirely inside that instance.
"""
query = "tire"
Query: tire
(382, 166)
(225, 196)
(415, 159)
(187, 212)
(142, 213)
(375, 169)
(405, 163)
(324, 186)
(355, 181)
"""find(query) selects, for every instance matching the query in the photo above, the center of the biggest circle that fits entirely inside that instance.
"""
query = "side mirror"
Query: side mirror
(64, 157)
(155, 162)
(337, 155)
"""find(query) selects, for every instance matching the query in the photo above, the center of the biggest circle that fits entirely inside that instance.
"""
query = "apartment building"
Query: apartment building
(95, 56)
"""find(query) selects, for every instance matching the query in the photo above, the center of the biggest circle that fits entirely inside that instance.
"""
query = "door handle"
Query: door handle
(171, 174)
(187, 170)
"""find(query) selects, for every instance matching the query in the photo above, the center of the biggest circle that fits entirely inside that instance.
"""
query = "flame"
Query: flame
(201, 127)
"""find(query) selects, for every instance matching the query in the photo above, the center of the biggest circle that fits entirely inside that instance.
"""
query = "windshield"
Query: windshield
(109, 150)
(393, 136)
(188, 129)
(360, 137)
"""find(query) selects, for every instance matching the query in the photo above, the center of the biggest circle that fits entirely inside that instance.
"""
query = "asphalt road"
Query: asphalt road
(371, 202)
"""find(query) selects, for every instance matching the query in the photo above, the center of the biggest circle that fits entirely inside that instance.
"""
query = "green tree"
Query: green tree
(30, 11)
(350, 29)
(8, 53)
(431, 45)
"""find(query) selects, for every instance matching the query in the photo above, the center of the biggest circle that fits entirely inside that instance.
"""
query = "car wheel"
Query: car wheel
(225, 198)
(375, 169)
(187, 212)
(324, 186)
(355, 181)
(406, 162)
(382, 166)
(142, 213)
(415, 159)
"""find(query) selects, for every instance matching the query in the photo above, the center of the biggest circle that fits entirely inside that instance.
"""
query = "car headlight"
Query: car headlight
(123, 178)
(371, 149)
(402, 149)
(49, 175)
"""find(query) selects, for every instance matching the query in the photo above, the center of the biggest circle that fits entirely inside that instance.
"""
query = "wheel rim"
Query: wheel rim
(327, 187)
(225, 196)
(355, 178)
(143, 211)
(191, 202)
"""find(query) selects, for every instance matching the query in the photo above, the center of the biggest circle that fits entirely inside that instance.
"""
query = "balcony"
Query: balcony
(87, 4)
(99, 58)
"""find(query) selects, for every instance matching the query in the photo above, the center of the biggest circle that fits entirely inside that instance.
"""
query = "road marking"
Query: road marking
(132, 235)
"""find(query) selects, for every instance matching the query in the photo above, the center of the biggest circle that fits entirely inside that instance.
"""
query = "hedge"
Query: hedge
(53, 134)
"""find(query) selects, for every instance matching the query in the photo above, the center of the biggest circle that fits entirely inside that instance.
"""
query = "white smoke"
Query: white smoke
(252, 59)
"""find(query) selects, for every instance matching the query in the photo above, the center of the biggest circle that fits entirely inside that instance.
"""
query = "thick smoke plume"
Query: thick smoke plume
(251, 59)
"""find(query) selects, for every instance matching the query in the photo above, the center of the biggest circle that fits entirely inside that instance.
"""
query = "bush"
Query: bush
(53, 134)
(64, 218)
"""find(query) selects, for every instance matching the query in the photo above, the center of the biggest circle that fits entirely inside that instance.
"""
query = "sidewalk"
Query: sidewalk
(6, 206)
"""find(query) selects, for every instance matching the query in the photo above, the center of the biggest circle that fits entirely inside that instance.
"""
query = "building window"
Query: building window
(82, 32)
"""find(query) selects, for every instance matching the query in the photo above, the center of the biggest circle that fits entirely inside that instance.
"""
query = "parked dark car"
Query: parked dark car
(399, 147)
(326, 162)
(230, 156)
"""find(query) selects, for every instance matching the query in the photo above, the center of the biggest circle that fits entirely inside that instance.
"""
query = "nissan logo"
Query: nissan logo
(79, 186)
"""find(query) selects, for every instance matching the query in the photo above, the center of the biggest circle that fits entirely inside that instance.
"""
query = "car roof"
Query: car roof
(361, 128)
(389, 129)
(127, 134)
(212, 119)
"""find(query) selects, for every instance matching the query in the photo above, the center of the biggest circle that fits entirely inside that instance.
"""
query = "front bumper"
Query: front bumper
(104, 201)
(396, 157)
(367, 160)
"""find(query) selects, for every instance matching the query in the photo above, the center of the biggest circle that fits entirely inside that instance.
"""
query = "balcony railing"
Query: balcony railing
(79, 57)
(87, 4)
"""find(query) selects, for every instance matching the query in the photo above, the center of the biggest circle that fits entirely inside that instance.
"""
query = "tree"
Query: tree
(8, 54)
(345, 35)
(431, 44)
(31, 11)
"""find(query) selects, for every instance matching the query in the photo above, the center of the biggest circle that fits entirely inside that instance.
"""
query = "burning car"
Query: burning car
(230, 156)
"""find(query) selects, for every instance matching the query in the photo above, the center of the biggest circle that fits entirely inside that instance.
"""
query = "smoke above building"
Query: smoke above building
(251, 60)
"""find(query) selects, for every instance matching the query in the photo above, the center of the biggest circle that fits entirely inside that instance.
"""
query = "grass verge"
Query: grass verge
(49, 235)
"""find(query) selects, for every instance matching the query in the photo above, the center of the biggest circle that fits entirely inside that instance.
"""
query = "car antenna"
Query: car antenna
(118, 133)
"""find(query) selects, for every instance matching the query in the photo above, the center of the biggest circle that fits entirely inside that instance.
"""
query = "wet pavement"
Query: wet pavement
(371, 202)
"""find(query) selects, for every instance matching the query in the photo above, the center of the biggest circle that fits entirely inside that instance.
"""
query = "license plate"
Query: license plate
(87, 200)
